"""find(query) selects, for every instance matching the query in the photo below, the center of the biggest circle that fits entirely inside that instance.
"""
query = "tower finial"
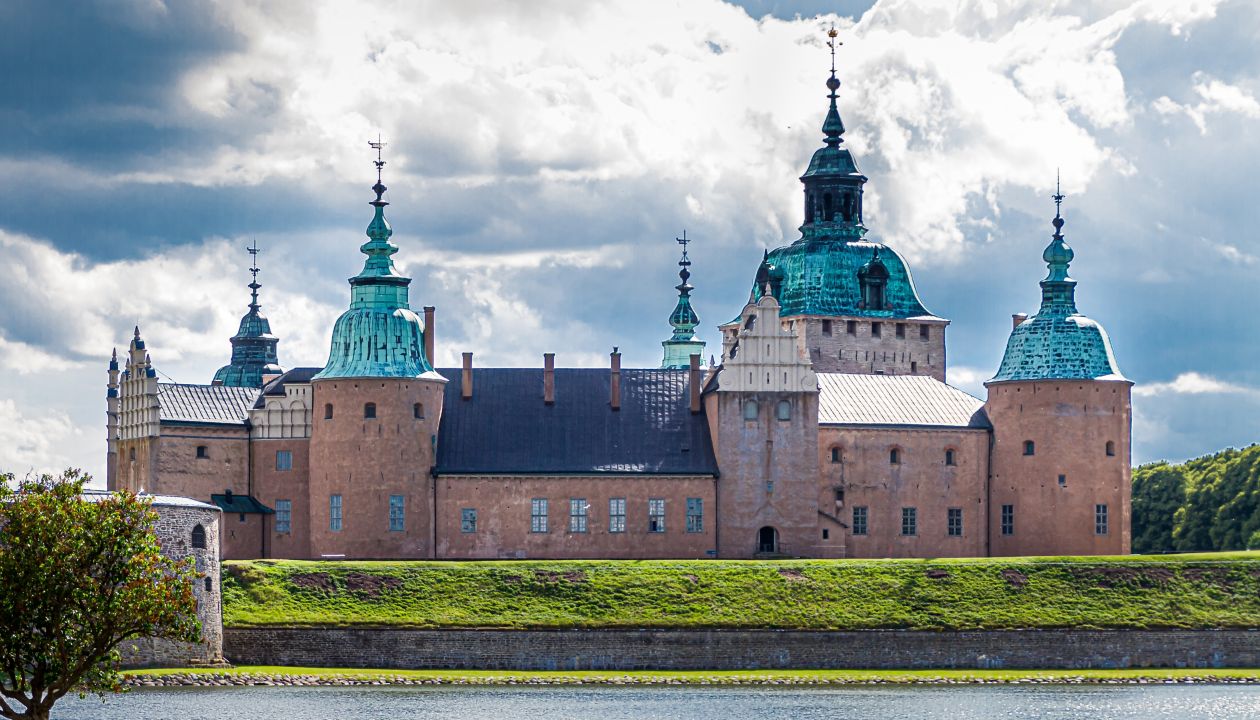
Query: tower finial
(253, 271)
(831, 43)
(379, 188)
(685, 262)
(832, 127)
(683, 343)
(1058, 207)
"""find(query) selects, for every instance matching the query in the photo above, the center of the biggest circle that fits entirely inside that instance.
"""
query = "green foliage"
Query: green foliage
(990, 593)
(77, 578)
(1206, 504)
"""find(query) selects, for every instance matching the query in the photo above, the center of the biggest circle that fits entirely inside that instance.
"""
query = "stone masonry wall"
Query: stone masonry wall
(738, 649)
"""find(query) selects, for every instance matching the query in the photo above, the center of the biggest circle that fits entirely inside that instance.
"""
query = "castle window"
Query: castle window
(1008, 519)
(202, 452)
(284, 516)
(1100, 519)
(198, 537)
(809, 208)
(901, 330)
(284, 459)
(397, 513)
(850, 326)
(328, 411)
(577, 515)
(750, 322)
(468, 520)
(877, 329)
(839, 495)
(909, 521)
(750, 410)
(829, 211)
(826, 534)
(1111, 448)
(1063, 481)
(846, 206)
(695, 515)
(656, 515)
(785, 410)
(369, 411)
(826, 327)
(538, 515)
(859, 520)
(131, 454)
(949, 457)
(837, 455)
(1030, 448)
(954, 522)
(914, 366)
(417, 411)
(925, 332)
(209, 584)
(894, 456)
(334, 513)
(616, 515)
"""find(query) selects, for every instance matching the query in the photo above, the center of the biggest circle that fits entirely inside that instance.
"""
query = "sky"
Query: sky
(543, 156)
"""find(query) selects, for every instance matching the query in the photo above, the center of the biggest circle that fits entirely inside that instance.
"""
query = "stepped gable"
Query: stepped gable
(506, 428)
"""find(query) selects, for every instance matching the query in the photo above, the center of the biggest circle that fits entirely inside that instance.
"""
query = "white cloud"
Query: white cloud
(1193, 383)
(1215, 97)
(968, 379)
(35, 443)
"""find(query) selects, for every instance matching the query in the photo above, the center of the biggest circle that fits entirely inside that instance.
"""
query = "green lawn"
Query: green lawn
(1170, 591)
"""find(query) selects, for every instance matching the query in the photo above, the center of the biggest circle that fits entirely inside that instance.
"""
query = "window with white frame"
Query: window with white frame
(284, 516)
(695, 515)
(468, 520)
(538, 515)
(616, 515)
(656, 515)
(284, 459)
(577, 515)
(396, 513)
(334, 513)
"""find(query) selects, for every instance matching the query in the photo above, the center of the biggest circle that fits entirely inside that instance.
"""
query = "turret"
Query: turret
(683, 343)
(253, 347)
(136, 419)
(1062, 421)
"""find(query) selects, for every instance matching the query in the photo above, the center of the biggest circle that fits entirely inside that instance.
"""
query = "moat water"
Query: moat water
(1206, 702)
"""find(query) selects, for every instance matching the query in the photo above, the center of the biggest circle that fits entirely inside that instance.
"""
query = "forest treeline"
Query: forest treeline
(1209, 503)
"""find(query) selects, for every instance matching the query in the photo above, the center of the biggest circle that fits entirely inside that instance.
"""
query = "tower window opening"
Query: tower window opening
(829, 212)
(750, 322)
(809, 208)
(837, 455)
(846, 206)
(914, 366)
(131, 454)
(839, 493)
(901, 330)
(949, 457)
(1030, 448)
(850, 327)
(877, 329)
(1111, 448)
(202, 452)
(894, 456)
(826, 327)
(369, 411)
(417, 411)
(328, 411)
(925, 332)
(750, 410)
(784, 411)
(198, 537)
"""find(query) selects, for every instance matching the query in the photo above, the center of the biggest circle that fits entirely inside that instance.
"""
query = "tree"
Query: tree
(77, 578)
(1158, 491)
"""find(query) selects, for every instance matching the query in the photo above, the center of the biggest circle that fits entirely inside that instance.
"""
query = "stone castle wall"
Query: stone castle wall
(738, 649)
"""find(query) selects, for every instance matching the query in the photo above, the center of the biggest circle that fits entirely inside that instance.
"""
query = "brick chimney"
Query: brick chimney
(693, 380)
(1018, 318)
(615, 381)
(465, 383)
(428, 334)
(549, 378)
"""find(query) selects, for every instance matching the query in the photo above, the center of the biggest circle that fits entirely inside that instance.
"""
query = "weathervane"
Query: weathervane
(379, 188)
(253, 270)
(1058, 195)
(832, 43)
(684, 241)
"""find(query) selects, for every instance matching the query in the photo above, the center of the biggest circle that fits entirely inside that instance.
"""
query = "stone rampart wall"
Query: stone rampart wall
(737, 649)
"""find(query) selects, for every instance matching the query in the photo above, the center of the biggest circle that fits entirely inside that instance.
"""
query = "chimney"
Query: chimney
(694, 381)
(428, 334)
(615, 381)
(1018, 318)
(549, 378)
(465, 383)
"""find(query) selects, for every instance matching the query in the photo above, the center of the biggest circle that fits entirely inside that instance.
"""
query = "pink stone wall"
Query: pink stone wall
(864, 353)
(272, 484)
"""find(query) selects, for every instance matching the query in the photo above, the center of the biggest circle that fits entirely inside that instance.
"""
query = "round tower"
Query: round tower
(377, 404)
(1062, 420)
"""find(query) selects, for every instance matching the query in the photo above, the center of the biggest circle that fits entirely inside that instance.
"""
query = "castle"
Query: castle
(826, 429)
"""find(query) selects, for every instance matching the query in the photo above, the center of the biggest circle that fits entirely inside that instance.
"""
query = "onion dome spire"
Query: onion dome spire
(253, 346)
(379, 335)
(683, 343)
(1058, 343)
(833, 127)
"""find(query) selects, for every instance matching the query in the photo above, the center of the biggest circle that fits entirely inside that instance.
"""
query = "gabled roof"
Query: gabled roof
(246, 504)
(207, 404)
(896, 400)
(275, 388)
(507, 428)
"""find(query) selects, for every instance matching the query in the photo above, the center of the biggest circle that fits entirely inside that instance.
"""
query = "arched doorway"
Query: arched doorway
(767, 540)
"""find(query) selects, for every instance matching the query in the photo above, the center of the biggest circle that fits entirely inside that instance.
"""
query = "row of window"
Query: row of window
(954, 520)
(877, 329)
(894, 456)
(369, 411)
(1030, 448)
(752, 410)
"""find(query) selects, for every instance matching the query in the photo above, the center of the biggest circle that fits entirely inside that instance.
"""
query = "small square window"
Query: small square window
(826, 534)
(240, 517)
(901, 330)
(850, 327)
(877, 329)
(1063, 481)
(284, 459)
(202, 452)
(1111, 448)
(925, 332)
(369, 411)
(826, 327)
(468, 520)
(837, 455)
(1030, 447)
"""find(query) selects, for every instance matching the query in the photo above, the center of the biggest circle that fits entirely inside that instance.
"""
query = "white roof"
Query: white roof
(96, 495)
(898, 400)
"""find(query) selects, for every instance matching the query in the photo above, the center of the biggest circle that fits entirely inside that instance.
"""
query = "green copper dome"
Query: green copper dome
(822, 273)
(1058, 343)
(253, 346)
(379, 336)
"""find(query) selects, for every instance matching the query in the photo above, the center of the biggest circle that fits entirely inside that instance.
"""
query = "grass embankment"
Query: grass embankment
(329, 676)
(1178, 591)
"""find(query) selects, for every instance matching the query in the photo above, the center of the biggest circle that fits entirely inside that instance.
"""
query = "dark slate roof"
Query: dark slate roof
(208, 404)
(240, 504)
(276, 387)
(506, 428)
(900, 400)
